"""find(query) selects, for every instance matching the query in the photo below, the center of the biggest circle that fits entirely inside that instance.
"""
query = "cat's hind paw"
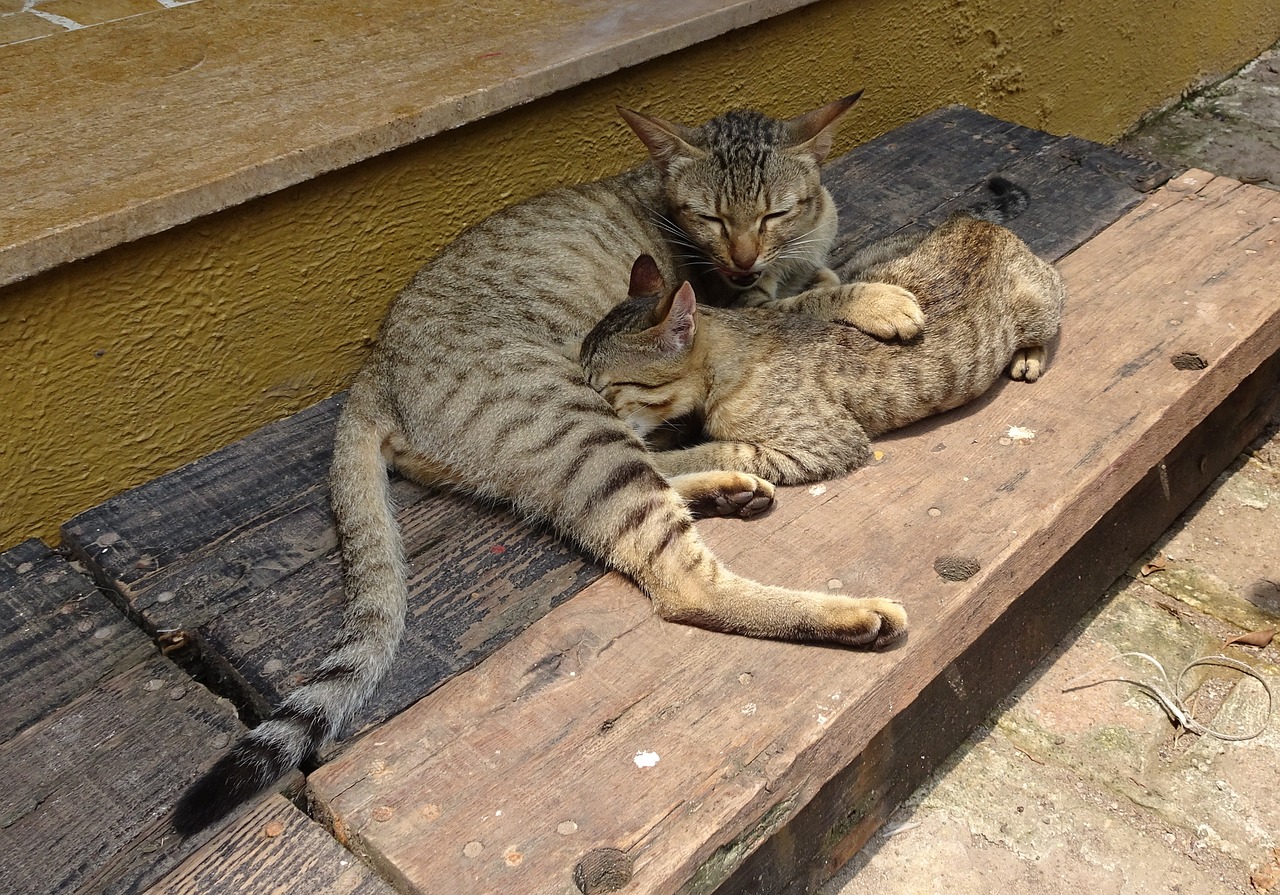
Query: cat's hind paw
(724, 493)
(1028, 364)
(882, 310)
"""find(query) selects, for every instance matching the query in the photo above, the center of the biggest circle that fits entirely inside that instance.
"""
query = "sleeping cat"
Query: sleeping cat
(474, 383)
(792, 399)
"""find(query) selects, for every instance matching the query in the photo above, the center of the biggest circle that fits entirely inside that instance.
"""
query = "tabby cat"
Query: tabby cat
(474, 382)
(792, 399)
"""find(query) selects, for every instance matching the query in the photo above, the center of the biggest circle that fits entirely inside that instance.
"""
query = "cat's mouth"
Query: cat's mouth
(741, 280)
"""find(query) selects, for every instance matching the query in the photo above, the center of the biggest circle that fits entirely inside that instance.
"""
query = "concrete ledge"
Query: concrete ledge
(153, 120)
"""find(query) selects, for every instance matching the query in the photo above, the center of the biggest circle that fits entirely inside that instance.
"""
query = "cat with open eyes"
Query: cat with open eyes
(791, 398)
(474, 383)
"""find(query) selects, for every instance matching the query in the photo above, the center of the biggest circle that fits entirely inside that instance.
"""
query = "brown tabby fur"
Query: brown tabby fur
(792, 399)
(474, 383)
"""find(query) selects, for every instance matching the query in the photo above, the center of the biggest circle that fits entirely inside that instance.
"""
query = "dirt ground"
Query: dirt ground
(1070, 788)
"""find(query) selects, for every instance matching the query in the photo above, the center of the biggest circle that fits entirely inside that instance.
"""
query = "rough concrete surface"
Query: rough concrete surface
(1093, 789)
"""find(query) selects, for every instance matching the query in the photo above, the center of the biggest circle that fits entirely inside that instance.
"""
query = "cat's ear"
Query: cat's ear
(665, 140)
(676, 318)
(814, 131)
(646, 279)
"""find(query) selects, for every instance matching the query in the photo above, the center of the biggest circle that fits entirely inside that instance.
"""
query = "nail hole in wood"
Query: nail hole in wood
(1189, 360)
(956, 568)
(602, 870)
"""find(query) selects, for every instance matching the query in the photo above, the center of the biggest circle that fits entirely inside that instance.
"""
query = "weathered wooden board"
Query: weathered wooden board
(841, 818)
(90, 786)
(58, 636)
(272, 848)
(238, 549)
(98, 735)
(601, 726)
(918, 174)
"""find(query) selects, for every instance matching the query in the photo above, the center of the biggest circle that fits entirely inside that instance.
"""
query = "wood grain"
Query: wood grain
(58, 636)
(90, 785)
(547, 730)
(272, 848)
(238, 549)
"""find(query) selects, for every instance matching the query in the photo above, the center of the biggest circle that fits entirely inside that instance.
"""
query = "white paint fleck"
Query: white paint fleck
(25, 567)
(749, 708)
(646, 759)
(822, 720)
(1019, 433)
(817, 490)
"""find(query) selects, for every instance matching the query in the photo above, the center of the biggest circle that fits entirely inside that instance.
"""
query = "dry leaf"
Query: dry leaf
(1157, 564)
(1253, 638)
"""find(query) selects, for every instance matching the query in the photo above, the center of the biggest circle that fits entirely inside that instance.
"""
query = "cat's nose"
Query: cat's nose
(743, 256)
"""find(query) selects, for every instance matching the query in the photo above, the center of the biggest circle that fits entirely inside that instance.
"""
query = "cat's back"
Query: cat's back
(559, 259)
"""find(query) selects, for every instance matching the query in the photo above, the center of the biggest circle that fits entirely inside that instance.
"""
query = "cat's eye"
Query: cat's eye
(776, 215)
(711, 219)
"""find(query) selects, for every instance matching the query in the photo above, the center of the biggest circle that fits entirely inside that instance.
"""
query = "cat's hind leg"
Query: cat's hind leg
(723, 492)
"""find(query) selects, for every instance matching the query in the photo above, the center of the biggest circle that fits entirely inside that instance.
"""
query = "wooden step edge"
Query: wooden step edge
(207, 152)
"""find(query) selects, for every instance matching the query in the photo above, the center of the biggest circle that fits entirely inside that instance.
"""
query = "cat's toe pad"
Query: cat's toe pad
(883, 310)
(736, 494)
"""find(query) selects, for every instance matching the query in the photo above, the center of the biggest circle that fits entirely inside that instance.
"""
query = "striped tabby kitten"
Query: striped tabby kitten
(792, 399)
(474, 383)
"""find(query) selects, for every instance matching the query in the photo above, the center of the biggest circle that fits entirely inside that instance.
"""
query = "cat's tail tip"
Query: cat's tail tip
(257, 762)
(1006, 201)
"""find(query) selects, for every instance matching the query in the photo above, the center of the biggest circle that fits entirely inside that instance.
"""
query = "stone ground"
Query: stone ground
(1094, 789)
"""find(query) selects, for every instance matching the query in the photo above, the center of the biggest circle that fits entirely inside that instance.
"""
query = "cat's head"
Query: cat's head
(743, 189)
(641, 356)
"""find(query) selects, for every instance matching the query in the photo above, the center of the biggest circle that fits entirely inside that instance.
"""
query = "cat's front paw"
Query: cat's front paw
(873, 622)
(725, 493)
(881, 310)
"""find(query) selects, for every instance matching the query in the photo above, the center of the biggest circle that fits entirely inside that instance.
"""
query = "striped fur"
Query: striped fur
(792, 399)
(474, 382)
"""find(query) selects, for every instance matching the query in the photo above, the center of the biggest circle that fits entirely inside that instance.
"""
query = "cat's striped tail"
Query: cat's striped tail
(374, 622)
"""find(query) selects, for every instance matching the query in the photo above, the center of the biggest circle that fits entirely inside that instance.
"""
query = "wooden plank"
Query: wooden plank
(746, 733)
(920, 173)
(140, 533)
(230, 101)
(91, 784)
(58, 636)
(237, 551)
(272, 848)
(849, 809)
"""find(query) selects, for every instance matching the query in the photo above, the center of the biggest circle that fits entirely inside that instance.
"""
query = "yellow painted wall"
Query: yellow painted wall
(124, 366)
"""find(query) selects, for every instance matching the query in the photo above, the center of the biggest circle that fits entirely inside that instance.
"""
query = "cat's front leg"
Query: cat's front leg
(783, 461)
(878, 309)
(881, 310)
